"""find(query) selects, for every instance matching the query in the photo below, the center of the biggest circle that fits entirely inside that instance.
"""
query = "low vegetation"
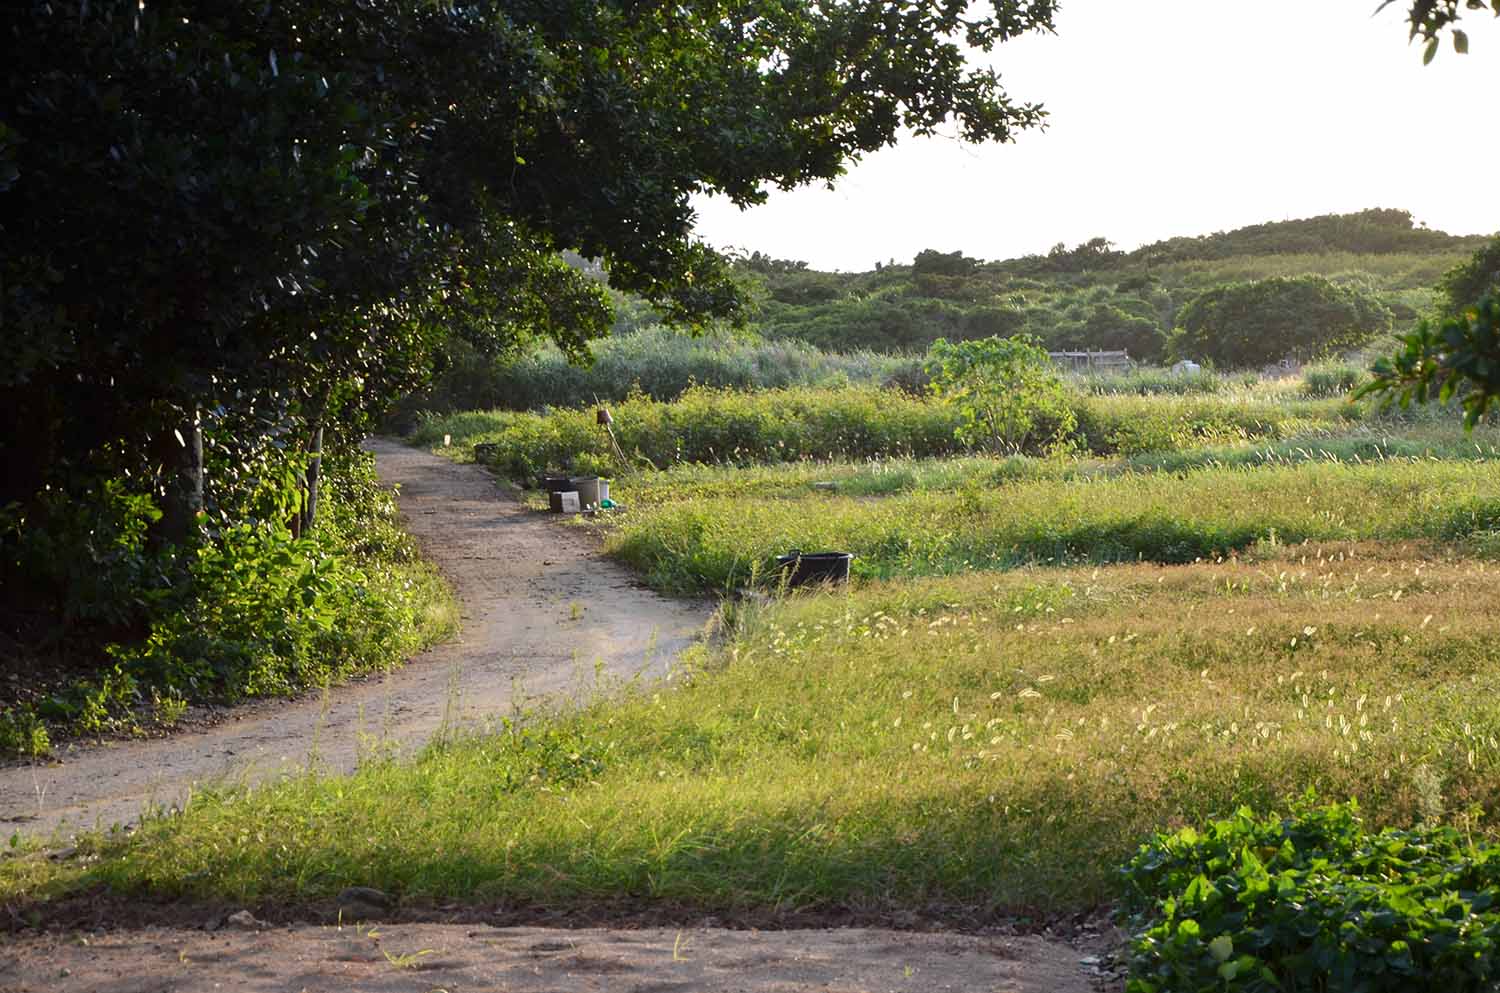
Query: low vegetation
(1312, 901)
(249, 610)
(799, 424)
(698, 541)
(989, 741)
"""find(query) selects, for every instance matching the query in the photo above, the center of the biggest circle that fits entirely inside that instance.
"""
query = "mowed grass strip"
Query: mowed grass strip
(705, 540)
(987, 742)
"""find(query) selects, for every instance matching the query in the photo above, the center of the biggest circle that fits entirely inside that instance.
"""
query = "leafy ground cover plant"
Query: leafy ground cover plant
(1313, 901)
(249, 610)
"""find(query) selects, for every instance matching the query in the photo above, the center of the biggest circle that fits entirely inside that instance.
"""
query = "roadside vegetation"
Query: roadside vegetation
(1101, 627)
(990, 741)
(250, 610)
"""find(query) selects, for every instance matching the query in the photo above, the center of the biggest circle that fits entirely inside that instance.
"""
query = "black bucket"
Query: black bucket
(557, 484)
(801, 568)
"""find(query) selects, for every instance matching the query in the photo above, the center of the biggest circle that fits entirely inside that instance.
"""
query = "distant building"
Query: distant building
(1187, 368)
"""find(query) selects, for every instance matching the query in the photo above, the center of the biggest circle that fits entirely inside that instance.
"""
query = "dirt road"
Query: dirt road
(423, 958)
(541, 610)
(543, 614)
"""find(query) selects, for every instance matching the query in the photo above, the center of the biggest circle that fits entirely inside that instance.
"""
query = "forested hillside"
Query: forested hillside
(1347, 276)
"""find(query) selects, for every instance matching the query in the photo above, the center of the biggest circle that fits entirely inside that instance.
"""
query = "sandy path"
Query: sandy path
(543, 615)
(519, 576)
(422, 958)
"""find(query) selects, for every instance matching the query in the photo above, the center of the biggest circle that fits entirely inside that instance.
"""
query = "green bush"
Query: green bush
(1008, 393)
(1329, 379)
(266, 614)
(1249, 324)
(245, 610)
(1313, 902)
(22, 732)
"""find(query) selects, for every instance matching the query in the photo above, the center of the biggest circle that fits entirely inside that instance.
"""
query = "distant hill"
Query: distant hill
(1370, 232)
(1095, 296)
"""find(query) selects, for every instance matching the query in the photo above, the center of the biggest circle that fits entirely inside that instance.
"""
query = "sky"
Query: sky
(1171, 117)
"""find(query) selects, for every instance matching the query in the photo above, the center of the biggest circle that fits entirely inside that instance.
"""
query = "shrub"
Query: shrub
(1256, 323)
(1466, 284)
(1313, 901)
(246, 610)
(263, 613)
(710, 426)
(1007, 391)
(1328, 379)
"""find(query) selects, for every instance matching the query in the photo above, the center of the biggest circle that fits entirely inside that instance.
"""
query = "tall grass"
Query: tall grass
(964, 745)
(695, 542)
(656, 362)
(1151, 381)
(730, 427)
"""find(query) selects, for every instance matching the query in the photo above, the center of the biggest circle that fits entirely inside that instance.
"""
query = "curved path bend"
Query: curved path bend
(545, 616)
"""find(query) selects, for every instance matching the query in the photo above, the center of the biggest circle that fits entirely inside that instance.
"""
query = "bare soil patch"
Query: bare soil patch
(421, 958)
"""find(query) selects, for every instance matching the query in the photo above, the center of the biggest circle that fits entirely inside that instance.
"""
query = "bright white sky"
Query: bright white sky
(1172, 117)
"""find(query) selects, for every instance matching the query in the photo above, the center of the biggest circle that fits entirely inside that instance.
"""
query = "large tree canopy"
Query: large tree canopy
(278, 208)
(1256, 323)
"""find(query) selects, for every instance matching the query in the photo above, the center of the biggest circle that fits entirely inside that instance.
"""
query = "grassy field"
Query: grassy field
(988, 741)
(718, 535)
(1040, 661)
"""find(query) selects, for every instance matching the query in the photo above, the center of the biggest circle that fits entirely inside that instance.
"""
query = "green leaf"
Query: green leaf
(1460, 42)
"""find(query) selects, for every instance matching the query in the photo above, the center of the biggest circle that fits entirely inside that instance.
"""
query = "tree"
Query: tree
(1458, 353)
(1008, 391)
(1430, 18)
(1246, 324)
(1463, 286)
(273, 213)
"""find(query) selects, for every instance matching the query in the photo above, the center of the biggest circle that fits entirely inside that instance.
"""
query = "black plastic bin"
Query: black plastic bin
(800, 568)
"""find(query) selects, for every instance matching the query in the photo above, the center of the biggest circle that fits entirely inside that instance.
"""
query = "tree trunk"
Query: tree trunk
(181, 454)
(314, 476)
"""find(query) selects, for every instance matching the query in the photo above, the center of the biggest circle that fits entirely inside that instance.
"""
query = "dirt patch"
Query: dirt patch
(421, 958)
(544, 616)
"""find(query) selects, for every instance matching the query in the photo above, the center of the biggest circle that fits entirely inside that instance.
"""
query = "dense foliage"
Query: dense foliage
(235, 233)
(1248, 324)
(251, 611)
(1092, 297)
(1467, 283)
(1314, 901)
(1458, 356)
(1008, 393)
